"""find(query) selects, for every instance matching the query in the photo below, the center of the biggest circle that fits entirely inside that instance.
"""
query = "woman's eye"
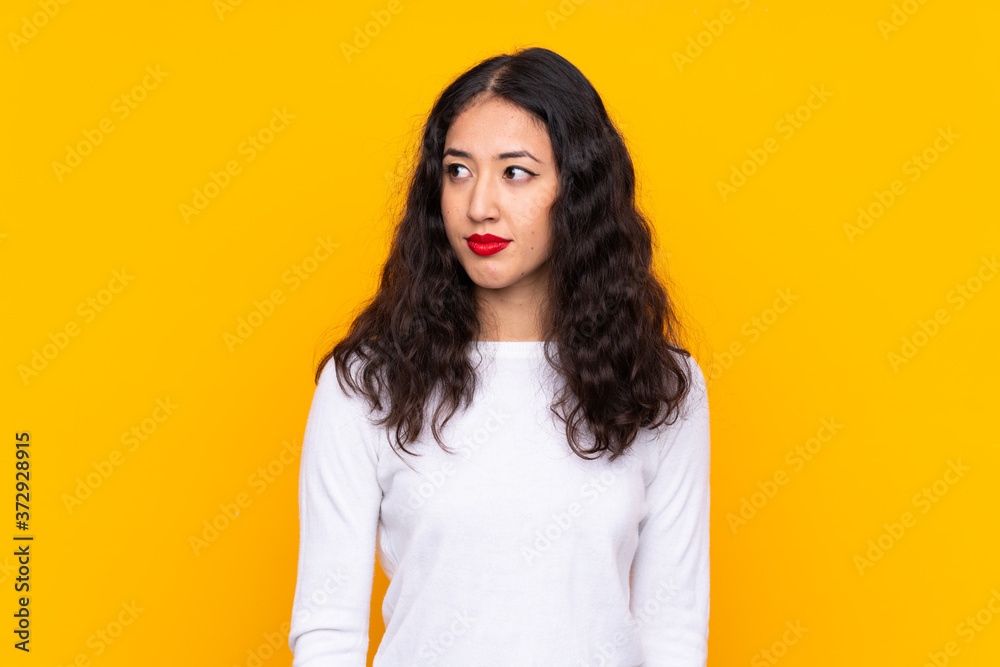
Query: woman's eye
(510, 172)
(520, 169)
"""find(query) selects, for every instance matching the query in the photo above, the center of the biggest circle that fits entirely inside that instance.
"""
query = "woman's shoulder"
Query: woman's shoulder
(696, 395)
(342, 390)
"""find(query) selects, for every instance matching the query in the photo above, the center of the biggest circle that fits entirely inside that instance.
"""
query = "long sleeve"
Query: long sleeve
(670, 570)
(339, 500)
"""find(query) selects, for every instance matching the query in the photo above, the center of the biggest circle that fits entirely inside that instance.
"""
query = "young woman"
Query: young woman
(553, 508)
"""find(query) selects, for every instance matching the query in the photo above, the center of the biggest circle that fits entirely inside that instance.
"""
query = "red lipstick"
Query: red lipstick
(486, 244)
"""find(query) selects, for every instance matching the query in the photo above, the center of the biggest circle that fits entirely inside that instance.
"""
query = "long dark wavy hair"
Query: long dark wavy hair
(611, 318)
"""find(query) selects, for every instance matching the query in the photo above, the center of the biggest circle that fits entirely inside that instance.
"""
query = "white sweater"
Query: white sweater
(512, 551)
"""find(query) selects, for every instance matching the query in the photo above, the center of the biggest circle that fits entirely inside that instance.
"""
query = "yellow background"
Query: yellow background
(331, 173)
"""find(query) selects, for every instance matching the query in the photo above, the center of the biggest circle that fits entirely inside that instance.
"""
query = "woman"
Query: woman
(559, 514)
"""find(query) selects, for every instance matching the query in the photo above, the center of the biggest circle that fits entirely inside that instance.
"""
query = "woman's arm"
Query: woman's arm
(670, 571)
(339, 499)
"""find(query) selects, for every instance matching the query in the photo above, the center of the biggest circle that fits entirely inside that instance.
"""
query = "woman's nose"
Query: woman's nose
(483, 201)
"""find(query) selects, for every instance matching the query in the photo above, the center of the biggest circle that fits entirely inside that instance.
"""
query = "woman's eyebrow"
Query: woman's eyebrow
(500, 156)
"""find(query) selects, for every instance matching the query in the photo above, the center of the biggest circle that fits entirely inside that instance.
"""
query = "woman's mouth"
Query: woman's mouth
(486, 244)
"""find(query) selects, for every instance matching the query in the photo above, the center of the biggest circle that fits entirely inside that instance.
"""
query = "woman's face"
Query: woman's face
(500, 178)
